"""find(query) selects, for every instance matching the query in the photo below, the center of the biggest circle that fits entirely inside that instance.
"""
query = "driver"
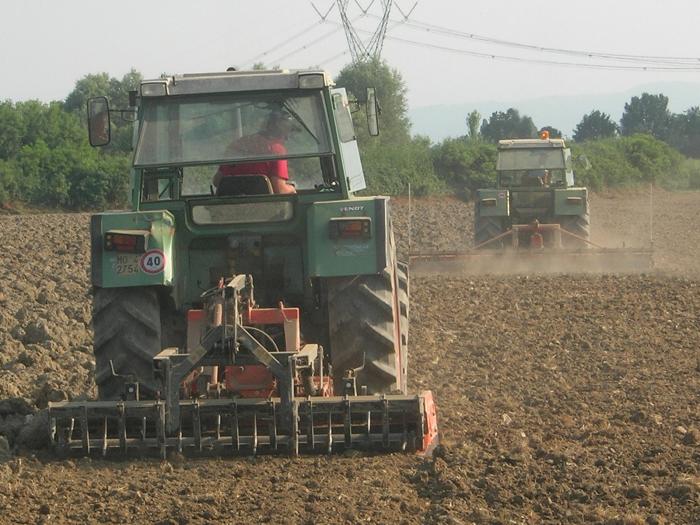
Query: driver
(270, 141)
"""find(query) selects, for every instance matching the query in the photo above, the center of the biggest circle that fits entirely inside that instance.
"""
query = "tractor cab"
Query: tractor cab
(527, 163)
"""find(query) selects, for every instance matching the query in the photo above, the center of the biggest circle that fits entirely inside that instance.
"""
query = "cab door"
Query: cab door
(349, 152)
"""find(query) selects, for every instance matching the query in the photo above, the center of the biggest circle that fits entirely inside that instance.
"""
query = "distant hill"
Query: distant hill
(563, 112)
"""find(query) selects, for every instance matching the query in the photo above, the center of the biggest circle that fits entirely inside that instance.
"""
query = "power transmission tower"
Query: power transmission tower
(360, 50)
(366, 49)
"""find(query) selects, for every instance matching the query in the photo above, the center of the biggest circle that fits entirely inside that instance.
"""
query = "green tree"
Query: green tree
(630, 160)
(390, 169)
(93, 85)
(391, 92)
(117, 92)
(646, 114)
(595, 125)
(684, 132)
(12, 130)
(473, 121)
(46, 160)
(465, 166)
(101, 84)
(508, 125)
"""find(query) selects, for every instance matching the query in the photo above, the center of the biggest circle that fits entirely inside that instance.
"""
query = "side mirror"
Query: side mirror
(372, 112)
(583, 161)
(99, 128)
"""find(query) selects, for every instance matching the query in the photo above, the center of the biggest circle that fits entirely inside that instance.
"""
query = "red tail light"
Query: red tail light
(536, 241)
(125, 242)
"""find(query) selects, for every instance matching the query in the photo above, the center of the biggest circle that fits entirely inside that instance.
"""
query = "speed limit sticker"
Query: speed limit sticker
(153, 261)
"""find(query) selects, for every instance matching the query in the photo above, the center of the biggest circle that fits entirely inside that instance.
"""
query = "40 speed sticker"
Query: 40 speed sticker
(153, 261)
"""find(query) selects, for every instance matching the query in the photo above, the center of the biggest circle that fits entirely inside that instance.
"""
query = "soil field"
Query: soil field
(562, 399)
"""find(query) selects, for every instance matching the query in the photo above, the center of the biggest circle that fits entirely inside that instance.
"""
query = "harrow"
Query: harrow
(534, 248)
(234, 391)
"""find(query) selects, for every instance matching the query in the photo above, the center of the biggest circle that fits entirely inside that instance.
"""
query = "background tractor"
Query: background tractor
(536, 220)
(235, 318)
(535, 198)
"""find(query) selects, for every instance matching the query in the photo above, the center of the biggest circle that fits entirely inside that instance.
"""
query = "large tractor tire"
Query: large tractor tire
(486, 228)
(362, 314)
(127, 326)
(579, 225)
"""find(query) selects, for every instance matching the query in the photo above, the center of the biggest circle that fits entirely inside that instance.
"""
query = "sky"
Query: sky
(47, 45)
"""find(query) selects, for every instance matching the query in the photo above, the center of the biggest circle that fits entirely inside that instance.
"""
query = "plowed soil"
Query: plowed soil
(562, 399)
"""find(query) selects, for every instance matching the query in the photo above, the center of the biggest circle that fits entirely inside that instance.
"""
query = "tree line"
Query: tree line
(45, 159)
(649, 144)
(646, 114)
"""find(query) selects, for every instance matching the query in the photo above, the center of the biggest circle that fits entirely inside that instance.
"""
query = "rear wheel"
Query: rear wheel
(127, 327)
(580, 226)
(486, 228)
(363, 313)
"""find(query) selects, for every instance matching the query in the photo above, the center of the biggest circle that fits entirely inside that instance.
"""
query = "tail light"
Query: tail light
(536, 241)
(131, 242)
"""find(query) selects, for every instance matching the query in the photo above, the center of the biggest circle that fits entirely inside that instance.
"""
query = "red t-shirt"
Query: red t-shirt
(258, 145)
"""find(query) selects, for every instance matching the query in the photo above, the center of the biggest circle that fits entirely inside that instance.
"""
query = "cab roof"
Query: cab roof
(232, 81)
(531, 143)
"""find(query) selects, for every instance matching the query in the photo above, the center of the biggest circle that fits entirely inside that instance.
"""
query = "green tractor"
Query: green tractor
(535, 203)
(249, 301)
(534, 221)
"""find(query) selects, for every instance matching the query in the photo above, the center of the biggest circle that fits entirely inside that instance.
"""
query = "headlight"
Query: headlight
(154, 89)
(312, 81)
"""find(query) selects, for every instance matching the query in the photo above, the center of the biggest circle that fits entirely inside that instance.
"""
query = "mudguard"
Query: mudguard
(492, 203)
(331, 254)
(148, 262)
(571, 201)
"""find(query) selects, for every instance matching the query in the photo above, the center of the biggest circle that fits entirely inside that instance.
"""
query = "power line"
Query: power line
(307, 45)
(251, 61)
(674, 68)
(432, 28)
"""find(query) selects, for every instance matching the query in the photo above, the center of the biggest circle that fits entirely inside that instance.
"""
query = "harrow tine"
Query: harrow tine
(104, 437)
(404, 440)
(385, 422)
(235, 436)
(160, 431)
(255, 432)
(84, 432)
(348, 422)
(294, 448)
(368, 429)
(122, 427)
(330, 431)
(52, 429)
(197, 426)
(310, 437)
(273, 426)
